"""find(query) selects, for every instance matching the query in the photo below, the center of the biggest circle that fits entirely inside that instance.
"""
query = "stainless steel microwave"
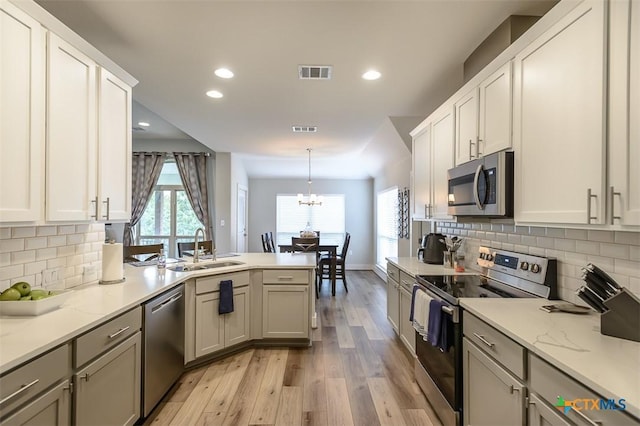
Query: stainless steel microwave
(482, 187)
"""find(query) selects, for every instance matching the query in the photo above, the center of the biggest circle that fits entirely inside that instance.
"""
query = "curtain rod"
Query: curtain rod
(206, 154)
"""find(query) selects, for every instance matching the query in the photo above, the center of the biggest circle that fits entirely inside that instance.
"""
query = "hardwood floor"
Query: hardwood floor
(357, 372)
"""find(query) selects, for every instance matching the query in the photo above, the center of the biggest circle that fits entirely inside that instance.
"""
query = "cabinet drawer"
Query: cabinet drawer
(27, 381)
(212, 283)
(393, 272)
(500, 347)
(285, 276)
(406, 281)
(106, 336)
(551, 383)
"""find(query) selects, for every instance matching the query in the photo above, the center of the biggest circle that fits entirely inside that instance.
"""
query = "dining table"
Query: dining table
(329, 248)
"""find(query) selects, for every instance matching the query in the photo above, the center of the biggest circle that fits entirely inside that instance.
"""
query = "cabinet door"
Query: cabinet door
(407, 332)
(495, 112)
(108, 390)
(209, 324)
(393, 305)
(559, 121)
(624, 127)
(285, 312)
(237, 323)
(421, 156)
(114, 148)
(71, 133)
(51, 409)
(467, 127)
(442, 161)
(542, 415)
(22, 78)
(482, 376)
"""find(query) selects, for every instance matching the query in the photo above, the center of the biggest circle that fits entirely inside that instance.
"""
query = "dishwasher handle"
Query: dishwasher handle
(166, 303)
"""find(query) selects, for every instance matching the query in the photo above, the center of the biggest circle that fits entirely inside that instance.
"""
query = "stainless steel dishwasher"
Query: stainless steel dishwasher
(163, 350)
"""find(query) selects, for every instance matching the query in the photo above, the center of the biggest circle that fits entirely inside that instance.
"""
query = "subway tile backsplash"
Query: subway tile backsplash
(617, 252)
(50, 256)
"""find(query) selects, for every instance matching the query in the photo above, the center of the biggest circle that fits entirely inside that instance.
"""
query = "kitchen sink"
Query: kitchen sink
(204, 265)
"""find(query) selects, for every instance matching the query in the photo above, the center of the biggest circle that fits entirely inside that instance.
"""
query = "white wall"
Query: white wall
(358, 205)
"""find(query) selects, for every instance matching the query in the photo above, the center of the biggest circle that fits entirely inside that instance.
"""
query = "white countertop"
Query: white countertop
(413, 266)
(572, 343)
(22, 338)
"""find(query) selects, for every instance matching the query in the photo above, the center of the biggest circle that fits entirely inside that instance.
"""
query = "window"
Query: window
(328, 219)
(168, 218)
(387, 226)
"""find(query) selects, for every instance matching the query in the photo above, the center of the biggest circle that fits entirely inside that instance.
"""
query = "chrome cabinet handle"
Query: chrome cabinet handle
(483, 340)
(23, 388)
(587, 419)
(478, 153)
(106, 216)
(95, 203)
(429, 206)
(285, 277)
(589, 197)
(425, 211)
(612, 195)
(117, 333)
(85, 376)
(448, 310)
(470, 144)
(513, 389)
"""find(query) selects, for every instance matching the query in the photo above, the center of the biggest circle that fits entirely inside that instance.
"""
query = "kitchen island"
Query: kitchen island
(24, 338)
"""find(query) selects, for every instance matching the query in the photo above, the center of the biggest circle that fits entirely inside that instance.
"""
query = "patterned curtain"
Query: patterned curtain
(193, 172)
(146, 170)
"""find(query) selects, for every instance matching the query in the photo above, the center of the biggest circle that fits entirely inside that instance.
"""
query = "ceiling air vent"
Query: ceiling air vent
(315, 72)
(304, 129)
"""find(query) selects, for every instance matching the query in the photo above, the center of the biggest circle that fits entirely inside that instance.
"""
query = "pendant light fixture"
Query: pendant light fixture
(312, 199)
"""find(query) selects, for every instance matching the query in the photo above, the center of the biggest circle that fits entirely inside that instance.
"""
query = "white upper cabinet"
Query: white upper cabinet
(483, 117)
(559, 121)
(442, 160)
(421, 157)
(432, 157)
(71, 133)
(114, 148)
(22, 122)
(624, 110)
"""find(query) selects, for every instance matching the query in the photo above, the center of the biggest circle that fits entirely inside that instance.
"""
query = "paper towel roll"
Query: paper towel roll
(112, 266)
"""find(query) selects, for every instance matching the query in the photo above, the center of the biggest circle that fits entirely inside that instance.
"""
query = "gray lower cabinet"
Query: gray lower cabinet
(541, 414)
(53, 408)
(492, 395)
(285, 312)
(393, 297)
(407, 332)
(108, 389)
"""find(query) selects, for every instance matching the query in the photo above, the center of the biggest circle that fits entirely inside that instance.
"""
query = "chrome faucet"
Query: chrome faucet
(196, 249)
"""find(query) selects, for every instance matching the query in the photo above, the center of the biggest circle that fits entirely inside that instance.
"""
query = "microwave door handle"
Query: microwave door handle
(476, 195)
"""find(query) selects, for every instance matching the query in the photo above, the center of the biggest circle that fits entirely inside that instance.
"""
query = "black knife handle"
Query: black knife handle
(588, 298)
(603, 275)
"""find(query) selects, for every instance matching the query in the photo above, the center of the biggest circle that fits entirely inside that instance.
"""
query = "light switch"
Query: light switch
(221, 222)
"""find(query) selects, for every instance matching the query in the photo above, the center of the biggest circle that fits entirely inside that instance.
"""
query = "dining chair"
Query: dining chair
(130, 252)
(272, 246)
(265, 243)
(206, 245)
(324, 266)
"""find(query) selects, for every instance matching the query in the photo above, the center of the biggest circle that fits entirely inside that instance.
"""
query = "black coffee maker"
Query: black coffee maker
(432, 248)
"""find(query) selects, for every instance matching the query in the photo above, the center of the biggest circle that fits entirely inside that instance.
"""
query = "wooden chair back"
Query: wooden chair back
(305, 244)
(345, 246)
(130, 252)
(207, 246)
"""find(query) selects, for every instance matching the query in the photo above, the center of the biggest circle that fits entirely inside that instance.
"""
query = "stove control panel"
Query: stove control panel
(521, 265)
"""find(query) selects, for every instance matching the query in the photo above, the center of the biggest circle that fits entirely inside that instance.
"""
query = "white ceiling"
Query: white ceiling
(173, 47)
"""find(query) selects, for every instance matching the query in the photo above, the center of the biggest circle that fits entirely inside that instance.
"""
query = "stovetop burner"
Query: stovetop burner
(505, 274)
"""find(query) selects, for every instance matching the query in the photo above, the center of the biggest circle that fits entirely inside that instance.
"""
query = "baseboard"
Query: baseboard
(359, 267)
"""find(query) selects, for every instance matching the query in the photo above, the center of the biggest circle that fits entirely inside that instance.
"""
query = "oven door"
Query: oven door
(443, 386)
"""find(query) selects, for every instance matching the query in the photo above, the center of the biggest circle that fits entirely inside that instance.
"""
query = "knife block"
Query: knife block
(623, 317)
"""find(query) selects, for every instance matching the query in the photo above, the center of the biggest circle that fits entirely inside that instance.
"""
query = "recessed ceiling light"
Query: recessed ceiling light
(143, 124)
(371, 75)
(223, 73)
(214, 94)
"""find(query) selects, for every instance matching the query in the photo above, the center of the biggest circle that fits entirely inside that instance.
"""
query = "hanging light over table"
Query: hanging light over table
(312, 199)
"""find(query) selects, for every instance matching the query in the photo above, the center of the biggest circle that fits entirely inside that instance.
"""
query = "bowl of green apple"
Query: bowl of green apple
(22, 300)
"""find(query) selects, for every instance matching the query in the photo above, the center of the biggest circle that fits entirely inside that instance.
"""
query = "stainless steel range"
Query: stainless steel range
(502, 274)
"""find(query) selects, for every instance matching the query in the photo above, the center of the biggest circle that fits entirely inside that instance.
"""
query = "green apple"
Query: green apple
(23, 287)
(26, 297)
(38, 294)
(10, 294)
